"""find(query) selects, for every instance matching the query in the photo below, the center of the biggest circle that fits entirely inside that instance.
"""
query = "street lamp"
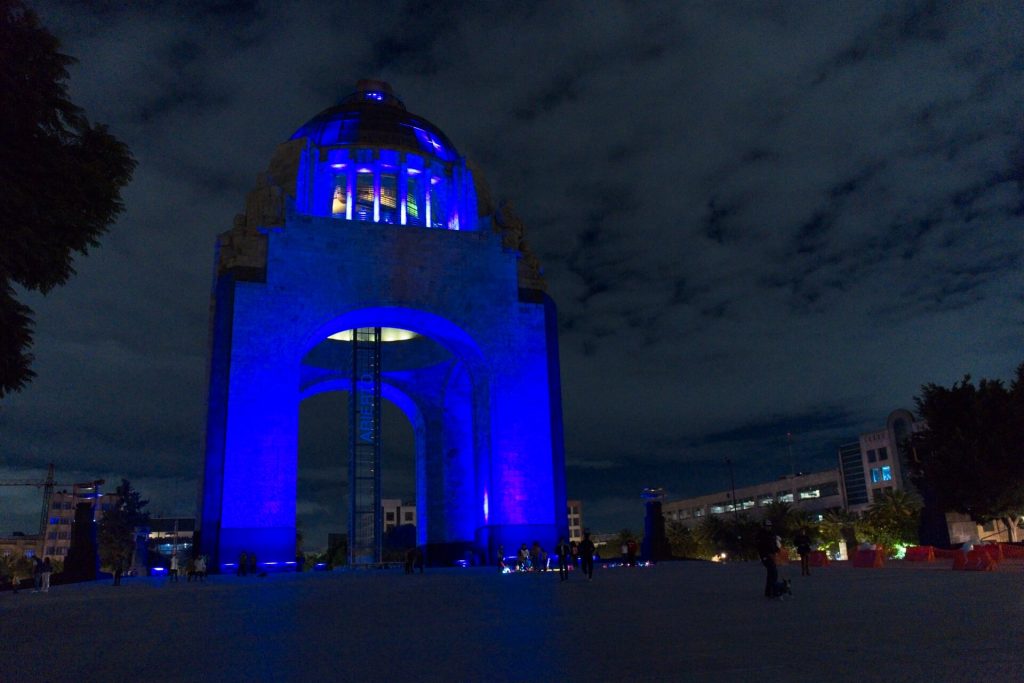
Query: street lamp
(732, 484)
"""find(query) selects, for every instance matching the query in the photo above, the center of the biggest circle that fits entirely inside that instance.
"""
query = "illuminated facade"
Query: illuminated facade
(876, 463)
(61, 517)
(369, 219)
(815, 493)
(574, 509)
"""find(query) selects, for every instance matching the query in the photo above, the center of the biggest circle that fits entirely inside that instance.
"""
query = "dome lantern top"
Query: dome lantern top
(373, 116)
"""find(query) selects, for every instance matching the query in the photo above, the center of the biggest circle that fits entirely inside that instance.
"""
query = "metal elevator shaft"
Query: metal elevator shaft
(365, 527)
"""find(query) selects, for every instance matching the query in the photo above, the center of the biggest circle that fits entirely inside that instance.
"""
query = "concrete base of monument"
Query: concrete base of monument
(675, 621)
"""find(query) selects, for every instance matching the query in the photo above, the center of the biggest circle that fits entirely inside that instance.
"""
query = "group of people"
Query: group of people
(628, 551)
(769, 544)
(195, 569)
(246, 564)
(579, 555)
(41, 572)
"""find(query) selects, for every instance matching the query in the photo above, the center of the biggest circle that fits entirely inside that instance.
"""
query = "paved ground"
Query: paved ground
(685, 621)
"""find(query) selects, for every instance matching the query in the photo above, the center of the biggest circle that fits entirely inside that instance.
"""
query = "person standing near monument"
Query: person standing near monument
(37, 574)
(47, 571)
(564, 551)
(587, 549)
(201, 568)
(767, 545)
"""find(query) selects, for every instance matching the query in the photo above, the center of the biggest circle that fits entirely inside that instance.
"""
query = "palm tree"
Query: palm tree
(894, 518)
(839, 525)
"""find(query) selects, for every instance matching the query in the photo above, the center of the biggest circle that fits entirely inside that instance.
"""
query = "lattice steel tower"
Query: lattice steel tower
(365, 535)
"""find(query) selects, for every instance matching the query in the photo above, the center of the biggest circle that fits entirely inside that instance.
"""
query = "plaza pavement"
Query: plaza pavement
(679, 621)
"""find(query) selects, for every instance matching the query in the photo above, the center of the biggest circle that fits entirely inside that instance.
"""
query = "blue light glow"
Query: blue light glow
(487, 420)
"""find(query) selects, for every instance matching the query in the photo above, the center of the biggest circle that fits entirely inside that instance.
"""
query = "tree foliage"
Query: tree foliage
(15, 567)
(972, 451)
(116, 533)
(61, 177)
(685, 542)
(893, 519)
(839, 525)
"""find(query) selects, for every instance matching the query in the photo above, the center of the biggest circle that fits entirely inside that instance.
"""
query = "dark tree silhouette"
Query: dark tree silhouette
(972, 452)
(117, 526)
(61, 178)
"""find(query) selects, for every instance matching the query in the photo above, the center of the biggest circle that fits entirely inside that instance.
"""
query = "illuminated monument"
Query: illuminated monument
(370, 259)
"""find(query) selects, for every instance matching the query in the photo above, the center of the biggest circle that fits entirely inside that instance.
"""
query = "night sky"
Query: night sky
(755, 218)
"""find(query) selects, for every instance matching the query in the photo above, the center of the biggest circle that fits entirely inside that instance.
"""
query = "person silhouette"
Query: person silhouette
(587, 549)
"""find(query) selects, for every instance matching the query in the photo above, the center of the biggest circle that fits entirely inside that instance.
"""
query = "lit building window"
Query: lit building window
(436, 207)
(413, 200)
(809, 492)
(879, 474)
(364, 196)
(765, 499)
(388, 198)
(785, 496)
(339, 204)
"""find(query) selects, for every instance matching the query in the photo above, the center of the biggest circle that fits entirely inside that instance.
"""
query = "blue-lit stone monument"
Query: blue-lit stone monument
(368, 223)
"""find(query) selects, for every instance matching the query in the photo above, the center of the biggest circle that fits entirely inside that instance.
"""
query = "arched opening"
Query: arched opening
(432, 467)
(322, 491)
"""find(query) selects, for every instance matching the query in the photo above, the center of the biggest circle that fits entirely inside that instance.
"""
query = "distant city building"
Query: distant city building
(397, 512)
(19, 544)
(815, 492)
(57, 538)
(877, 462)
(575, 510)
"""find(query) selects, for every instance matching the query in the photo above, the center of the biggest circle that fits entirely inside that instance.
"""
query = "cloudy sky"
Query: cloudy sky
(756, 218)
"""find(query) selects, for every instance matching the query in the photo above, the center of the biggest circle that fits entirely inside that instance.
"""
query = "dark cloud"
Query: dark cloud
(755, 220)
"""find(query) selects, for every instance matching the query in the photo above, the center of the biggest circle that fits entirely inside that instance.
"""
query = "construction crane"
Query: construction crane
(48, 486)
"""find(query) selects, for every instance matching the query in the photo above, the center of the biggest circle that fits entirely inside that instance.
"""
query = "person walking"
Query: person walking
(47, 571)
(803, 548)
(564, 551)
(174, 567)
(767, 546)
(587, 549)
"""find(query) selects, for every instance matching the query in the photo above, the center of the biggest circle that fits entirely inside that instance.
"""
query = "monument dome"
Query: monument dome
(377, 162)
